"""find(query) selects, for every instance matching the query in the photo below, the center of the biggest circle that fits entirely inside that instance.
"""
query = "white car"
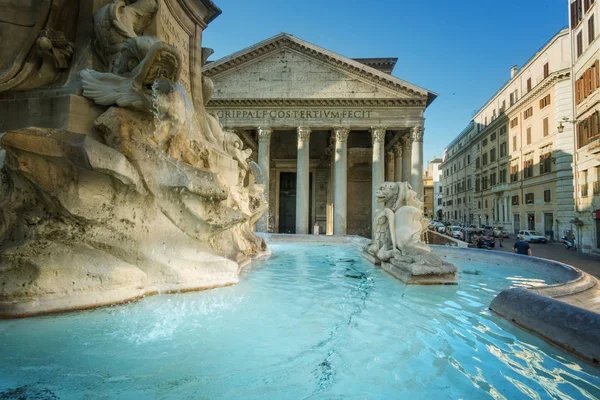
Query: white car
(532, 237)
(455, 232)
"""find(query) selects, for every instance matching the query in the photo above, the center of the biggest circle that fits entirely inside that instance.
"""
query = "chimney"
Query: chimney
(513, 71)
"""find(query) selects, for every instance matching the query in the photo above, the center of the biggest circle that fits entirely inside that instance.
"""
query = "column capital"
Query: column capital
(378, 134)
(264, 133)
(341, 133)
(398, 149)
(390, 156)
(303, 134)
(406, 142)
(417, 133)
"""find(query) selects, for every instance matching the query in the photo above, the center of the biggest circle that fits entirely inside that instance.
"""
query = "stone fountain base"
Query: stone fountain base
(422, 274)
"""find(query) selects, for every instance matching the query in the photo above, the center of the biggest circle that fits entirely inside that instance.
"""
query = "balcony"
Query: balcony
(500, 187)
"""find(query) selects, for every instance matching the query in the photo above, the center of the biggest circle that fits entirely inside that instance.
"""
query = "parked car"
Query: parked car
(438, 227)
(532, 237)
(500, 232)
(454, 231)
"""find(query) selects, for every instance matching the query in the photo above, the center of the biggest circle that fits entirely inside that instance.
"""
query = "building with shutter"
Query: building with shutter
(518, 154)
(586, 74)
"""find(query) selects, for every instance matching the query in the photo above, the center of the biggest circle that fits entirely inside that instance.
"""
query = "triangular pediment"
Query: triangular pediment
(287, 68)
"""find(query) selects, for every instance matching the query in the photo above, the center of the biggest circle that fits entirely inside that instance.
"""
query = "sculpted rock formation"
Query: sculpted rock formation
(397, 243)
(152, 199)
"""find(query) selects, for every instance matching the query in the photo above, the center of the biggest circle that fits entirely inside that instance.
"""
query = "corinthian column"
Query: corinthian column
(302, 181)
(406, 158)
(340, 191)
(389, 166)
(378, 136)
(416, 178)
(264, 151)
(398, 163)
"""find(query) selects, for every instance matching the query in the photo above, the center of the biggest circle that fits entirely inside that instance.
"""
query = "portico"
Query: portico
(323, 124)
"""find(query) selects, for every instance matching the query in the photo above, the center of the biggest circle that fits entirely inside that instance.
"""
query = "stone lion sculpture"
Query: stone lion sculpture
(399, 227)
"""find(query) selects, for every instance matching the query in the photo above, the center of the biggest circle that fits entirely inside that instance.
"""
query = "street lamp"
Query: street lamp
(561, 126)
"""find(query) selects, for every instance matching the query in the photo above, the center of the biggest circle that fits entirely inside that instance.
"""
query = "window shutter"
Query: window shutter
(545, 126)
(573, 15)
(597, 73)
(577, 90)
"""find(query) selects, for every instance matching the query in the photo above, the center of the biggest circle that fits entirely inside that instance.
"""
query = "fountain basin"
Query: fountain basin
(314, 319)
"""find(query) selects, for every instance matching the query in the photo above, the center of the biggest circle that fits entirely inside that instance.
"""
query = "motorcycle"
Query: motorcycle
(485, 241)
(569, 242)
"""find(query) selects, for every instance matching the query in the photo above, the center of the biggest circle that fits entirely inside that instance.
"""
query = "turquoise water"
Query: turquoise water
(313, 321)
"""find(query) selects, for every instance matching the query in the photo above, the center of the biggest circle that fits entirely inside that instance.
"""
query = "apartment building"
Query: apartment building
(431, 184)
(520, 155)
(456, 175)
(586, 84)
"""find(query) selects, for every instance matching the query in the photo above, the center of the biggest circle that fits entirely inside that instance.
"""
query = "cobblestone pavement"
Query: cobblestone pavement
(557, 252)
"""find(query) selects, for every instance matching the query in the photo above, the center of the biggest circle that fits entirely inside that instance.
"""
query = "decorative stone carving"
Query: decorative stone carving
(36, 42)
(417, 134)
(378, 134)
(397, 242)
(341, 134)
(303, 134)
(153, 199)
(398, 150)
(406, 143)
(264, 134)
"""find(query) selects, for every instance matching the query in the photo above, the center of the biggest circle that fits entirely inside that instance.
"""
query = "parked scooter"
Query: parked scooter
(569, 242)
(484, 241)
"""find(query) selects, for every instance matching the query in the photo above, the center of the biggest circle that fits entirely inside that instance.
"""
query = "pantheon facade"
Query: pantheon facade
(325, 129)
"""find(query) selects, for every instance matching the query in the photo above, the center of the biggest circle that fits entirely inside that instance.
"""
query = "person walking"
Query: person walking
(522, 247)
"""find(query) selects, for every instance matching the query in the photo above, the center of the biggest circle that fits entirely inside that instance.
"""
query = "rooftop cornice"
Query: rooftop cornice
(541, 87)
(284, 40)
(317, 103)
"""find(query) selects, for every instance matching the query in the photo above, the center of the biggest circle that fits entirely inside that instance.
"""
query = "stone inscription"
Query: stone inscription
(273, 114)
(171, 32)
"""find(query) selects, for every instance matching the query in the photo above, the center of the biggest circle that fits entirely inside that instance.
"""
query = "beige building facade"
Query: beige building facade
(326, 130)
(586, 84)
(518, 156)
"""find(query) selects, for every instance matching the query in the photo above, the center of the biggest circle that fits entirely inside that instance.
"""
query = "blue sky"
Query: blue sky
(461, 49)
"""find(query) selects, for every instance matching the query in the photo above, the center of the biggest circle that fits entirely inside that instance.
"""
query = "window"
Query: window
(514, 122)
(484, 143)
(588, 129)
(528, 168)
(576, 13)
(513, 97)
(514, 143)
(528, 85)
(502, 149)
(528, 198)
(503, 130)
(485, 121)
(486, 204)
(529, 135)
(584, 186)
(477, 163)
(545, 101)
(546, 70)
(547, 196)
(587, 83)
(545, 127)
(597, 182)
(468, 159)
(493, 178)
(493, 137)
(579, 44)
(479, 205)
(477, 184)
(591, 31)
(528, 113)
(503, 175)
(485, 159)
(469, 183)
(546, 162)
(492, 155)
(439, 202)
(503, 106)
(515, 200)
